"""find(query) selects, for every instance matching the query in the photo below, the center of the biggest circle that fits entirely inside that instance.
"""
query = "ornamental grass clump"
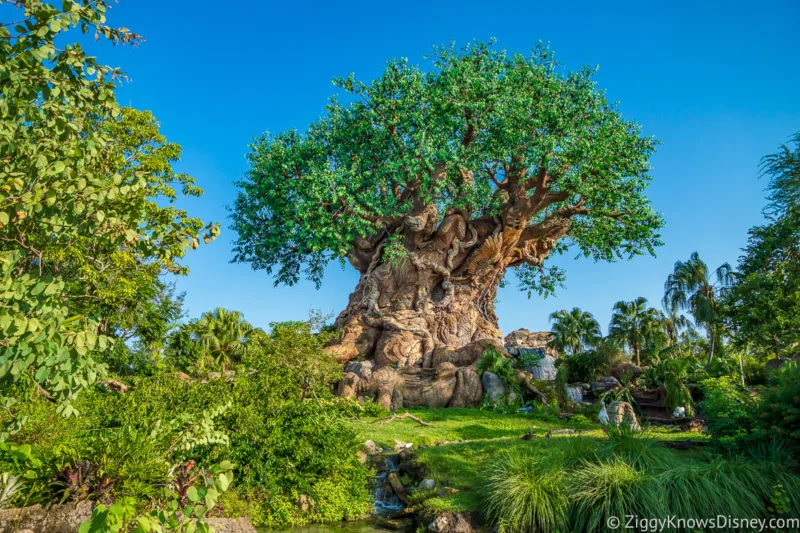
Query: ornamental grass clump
(525, 493)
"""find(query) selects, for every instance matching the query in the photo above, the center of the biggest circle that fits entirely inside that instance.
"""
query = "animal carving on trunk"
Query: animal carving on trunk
(433, 185)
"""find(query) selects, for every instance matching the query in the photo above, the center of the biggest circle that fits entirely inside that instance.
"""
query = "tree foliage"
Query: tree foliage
(574, 331)
(494, 136)
(636, 325)
(694, 288)
(86, 225)
(764, 302)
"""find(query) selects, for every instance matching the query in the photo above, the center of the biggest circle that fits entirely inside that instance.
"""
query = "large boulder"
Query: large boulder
(493, 386)
(776, 363)
(621, 370)
(522, 338)
(622, 414)
(362, 369)
(469, 389)
(604, 384)
(452, 522)
(542, 365)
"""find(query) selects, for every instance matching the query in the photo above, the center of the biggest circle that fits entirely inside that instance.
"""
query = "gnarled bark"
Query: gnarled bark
(435, 307)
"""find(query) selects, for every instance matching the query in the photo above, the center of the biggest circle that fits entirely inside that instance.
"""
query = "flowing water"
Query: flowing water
(543, 367)
(386, 504)
(575, 393)
(385, 501)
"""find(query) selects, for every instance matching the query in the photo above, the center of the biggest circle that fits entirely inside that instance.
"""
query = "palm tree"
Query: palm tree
(676, 325)
(224, 335)
(635, 325)
(692, 288)
(573, 331)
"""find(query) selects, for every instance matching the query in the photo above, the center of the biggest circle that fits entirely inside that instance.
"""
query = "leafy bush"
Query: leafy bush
(585, 366)
(277, 421)
(779, 408)
(729, 412)
(495, 362)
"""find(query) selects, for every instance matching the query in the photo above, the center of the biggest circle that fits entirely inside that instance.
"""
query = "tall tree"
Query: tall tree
(434, 183)
(85, 186)
(635, 325)
(763, 305)
(574, 331)
(694, 288)
(224, 335)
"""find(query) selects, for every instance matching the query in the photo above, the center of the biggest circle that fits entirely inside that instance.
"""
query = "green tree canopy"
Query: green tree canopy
(763, 305)
(85, 186)
(574, 331)
(694, 288)
(636, 325)
(494, 136)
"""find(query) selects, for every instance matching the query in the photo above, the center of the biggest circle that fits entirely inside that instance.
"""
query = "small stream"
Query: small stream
(386, 506)
(361, 526)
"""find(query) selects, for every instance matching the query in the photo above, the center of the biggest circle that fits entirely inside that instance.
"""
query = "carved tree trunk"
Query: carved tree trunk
(435, 306)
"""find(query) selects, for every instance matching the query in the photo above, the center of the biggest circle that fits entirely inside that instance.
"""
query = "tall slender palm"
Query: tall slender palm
(224, 335)
(574, 331)
(692, 287)
(675, 325)
(635, 325)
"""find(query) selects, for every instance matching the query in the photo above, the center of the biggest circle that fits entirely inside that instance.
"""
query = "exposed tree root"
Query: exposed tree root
(384, 421)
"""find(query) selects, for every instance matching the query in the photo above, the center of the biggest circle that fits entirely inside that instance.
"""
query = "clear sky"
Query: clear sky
(715, 82)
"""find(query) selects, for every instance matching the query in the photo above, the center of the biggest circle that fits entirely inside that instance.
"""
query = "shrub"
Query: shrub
(585, 366)
(729, 412)
(277, 421)
(495, 362)
(779, 407)
(524, 494)
(564, 400)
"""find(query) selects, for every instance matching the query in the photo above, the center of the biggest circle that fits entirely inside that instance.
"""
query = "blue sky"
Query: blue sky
(716, 83)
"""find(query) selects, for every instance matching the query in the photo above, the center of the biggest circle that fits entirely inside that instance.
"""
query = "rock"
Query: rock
(622, 414)
(362, 369)
(522, 338)
(431, 387)
(468, 391)
(362, 457)
(543, 367)
(562, 432)
(621, 370)
(679, 412)
(231, 525)
(604, 384)
(493, 386)
(426, 484)
(397, 486)
(372, 448)
(453, 522)
(400, 446)
(776, 363)
(65, 518)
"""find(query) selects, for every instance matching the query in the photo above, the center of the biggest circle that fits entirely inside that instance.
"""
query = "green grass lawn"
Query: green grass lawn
(460, 465)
